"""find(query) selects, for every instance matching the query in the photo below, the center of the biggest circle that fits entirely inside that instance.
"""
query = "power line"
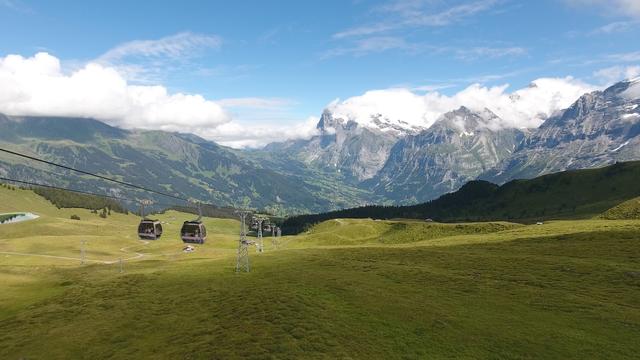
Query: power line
(92, 174)
(80, 191)
(76, 191)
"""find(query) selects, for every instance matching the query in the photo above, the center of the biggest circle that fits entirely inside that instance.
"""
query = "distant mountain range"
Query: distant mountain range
(600, 128)
(385, 161)
(178, 163)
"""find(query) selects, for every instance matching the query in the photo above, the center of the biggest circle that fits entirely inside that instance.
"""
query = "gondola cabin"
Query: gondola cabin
(193, 232)
(149, 229)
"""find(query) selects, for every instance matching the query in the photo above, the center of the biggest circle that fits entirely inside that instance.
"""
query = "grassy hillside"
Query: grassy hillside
(565, 289)
(178, 163)
(627, 210)
(56, 234)
(575, 194)
(358, 232)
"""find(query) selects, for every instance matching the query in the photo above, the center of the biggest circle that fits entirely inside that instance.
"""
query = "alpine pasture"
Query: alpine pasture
(345, 289)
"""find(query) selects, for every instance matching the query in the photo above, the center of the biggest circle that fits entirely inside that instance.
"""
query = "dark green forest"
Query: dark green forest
(68, 199)
(564, 195)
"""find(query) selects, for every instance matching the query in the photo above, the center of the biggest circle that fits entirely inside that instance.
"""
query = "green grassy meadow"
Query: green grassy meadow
(629, 209)
(346, 289)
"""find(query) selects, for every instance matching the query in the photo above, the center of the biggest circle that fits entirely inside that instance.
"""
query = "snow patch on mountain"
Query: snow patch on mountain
(633, 91)
(403, 111)
(621, 146)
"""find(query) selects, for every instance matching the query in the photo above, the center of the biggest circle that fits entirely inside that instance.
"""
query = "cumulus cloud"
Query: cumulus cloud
(524, 108)
(237, 135)
(38, 86)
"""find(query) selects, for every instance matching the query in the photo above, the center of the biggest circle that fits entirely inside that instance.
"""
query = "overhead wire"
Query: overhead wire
(33, 167)
(77, 191)
(93, 174)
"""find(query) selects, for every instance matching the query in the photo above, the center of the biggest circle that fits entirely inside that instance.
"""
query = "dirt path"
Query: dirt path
(124, 249)
(52, 256)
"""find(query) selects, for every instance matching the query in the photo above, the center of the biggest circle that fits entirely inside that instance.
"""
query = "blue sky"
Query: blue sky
(283, 61)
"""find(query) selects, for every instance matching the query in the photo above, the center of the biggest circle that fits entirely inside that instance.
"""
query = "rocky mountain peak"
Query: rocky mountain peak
(467, 121)
(375, 121)
(599, 128)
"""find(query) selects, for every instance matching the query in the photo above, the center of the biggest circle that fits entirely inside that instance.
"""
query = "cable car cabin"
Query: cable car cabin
(193, 232)
(149, 229)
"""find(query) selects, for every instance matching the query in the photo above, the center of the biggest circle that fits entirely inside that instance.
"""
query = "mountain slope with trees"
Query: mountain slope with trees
(564, 195)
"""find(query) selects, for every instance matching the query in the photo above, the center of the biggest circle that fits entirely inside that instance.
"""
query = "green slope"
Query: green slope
(177, 163)
(566, 289)
(627, 210)
(359, 232)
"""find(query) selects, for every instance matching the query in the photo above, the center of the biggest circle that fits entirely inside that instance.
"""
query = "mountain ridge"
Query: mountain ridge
(346, 164)
(572, 194)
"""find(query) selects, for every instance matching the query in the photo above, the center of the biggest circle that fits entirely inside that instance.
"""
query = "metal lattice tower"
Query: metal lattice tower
(142, 204)
(260, 220)
(242, 263)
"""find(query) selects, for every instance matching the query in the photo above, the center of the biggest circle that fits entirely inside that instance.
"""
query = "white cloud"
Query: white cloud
(614, 27)
(238, 135)
(624, 57)
(524, 108)
(489, 52)
(610, 75)
(15, 6)
(378, 44)
(402, 14)
(372, 45)
(148, 61)
(174, 46)
(255, 103)
(627, 8)
(633, 92)
(38, 86)
(386, 32)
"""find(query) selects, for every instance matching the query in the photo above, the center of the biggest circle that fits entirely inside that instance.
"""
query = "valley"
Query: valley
(403, 287)
(275, 180)
(349, 163)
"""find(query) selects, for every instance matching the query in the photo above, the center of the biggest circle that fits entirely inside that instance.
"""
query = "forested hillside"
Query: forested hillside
(569, 194)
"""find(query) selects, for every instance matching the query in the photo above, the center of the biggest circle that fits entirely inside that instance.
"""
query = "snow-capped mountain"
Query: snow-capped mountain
(357, 152)
(600, 128)
(457, 148)
(352, 161)
(402, 162)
